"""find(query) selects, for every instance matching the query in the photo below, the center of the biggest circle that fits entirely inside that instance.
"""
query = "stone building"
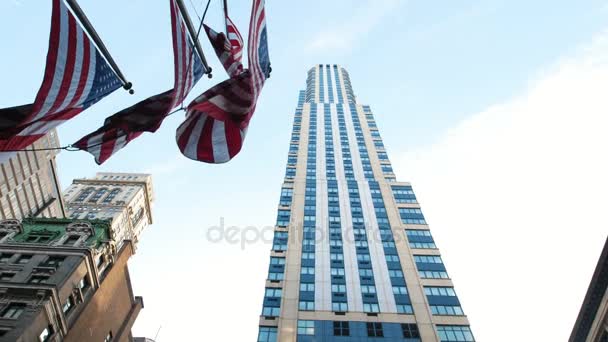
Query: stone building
(64, 280)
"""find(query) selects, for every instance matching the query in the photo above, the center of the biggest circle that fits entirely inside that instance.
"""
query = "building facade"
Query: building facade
(29, 185)
(353, 258)
(64, 280)
(125, 198)
(592, 322)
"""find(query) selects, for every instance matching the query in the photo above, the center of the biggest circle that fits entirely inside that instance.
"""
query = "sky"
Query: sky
(494, 110)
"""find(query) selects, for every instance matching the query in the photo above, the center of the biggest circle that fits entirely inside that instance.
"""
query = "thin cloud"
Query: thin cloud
(343, 35)
(516, 198)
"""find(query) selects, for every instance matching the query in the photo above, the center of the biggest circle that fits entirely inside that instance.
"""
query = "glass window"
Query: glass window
(13, 311)
(38, 279)
(306, 327)
(267, 334)
(71, 240)
(374, 329)
(410, 330)
(341, 329)
(455, 333)
(4, 257)
(69, 303)
(46, 334)
(24, 258)
(6, 276)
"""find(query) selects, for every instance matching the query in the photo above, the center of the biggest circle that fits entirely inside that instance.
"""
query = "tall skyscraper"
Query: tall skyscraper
(29, 185)
(126, 198)
(352, 257)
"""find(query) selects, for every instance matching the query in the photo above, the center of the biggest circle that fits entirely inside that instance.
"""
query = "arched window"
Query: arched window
(84, 194)
(111, 196)
(98, 195)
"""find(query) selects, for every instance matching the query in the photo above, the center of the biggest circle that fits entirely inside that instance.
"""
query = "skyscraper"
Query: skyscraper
(29, 186)
(353, 258)
(126, 198)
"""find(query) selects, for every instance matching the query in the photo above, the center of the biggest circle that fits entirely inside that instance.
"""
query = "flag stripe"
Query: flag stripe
(83, 71)
(219, 143)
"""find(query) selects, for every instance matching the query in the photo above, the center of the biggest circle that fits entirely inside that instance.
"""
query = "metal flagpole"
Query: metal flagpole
(93, 34)
(193, 35)
(226, 16)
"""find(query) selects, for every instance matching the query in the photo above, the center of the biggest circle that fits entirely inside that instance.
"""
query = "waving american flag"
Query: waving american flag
(148, 115)
(76, 77)
(217, 121)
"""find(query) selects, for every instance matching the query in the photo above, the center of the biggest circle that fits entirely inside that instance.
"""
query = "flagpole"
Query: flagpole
(226, 15)
(100, 45)
(193, 35)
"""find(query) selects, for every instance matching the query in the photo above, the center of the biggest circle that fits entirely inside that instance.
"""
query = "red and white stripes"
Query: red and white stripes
(76, 77)
(217, 121)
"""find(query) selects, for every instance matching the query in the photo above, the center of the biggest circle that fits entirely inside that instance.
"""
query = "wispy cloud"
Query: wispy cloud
(516, 196)
(343, 35)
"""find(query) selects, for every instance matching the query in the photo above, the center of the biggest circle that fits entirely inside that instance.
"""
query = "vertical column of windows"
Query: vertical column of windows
(339, 297)
(321, 85)
(338, 85)
(366, 274)
(350, 96)
(307, 270)
(272, 302)
(330, 86)
(310, 85)
(402, 300)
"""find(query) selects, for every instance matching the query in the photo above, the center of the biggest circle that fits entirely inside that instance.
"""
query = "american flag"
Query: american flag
(76, 77)
(217, 121)
(225, 52)
(235, 38)
(148, 115)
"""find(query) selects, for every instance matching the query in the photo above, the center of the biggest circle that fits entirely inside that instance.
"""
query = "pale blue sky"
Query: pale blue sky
(427, 68)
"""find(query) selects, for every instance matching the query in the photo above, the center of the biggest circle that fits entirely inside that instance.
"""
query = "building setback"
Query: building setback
(125, 198)
(353, 258)
(29, 185)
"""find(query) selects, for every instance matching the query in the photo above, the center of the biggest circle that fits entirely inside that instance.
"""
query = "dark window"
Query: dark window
(71, 240)
(69, 303)
(98, 195)
(84, 194)
(39, 278)
(24, 258)
(13, 311)
(4, 257)
(375, 329)
(341, 329)
(54, 261)
(410, 330)
(83, 285)
(39, 237)
(6, 276)
(46, 334)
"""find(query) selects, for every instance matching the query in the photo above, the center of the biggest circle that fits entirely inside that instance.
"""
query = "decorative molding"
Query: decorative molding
(80, 227)
(11, 226)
